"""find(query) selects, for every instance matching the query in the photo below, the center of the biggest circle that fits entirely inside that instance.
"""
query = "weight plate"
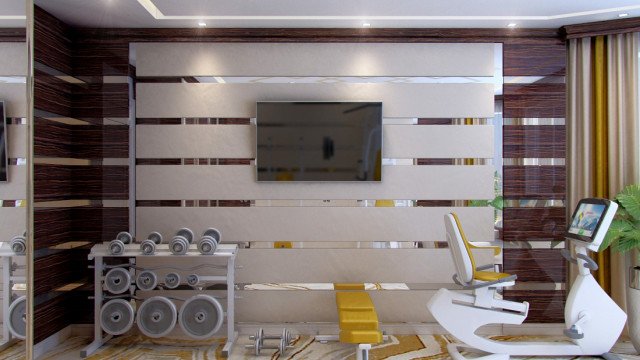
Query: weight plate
(125, 237)
(116, 247)
(117, 280)
(193, 279)
(148, 247)
(214, 233)
(156, 237)
(17, 322)
(207, 245)
(186, 233)
(147, 280)
(201, 316)
(172, 280)
(257, 342)
(18, 245)
(116, 316)
(179, 245)
(156, 317)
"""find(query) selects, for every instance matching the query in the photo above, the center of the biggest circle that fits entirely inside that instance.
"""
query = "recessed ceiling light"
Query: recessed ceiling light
(366, 24)
(623, 15)
(202, 24)
(511, 25)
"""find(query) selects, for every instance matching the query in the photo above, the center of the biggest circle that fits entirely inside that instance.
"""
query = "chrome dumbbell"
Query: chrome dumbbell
(209, 241)
(148, 246)
(18, 244)
(147, 280)
(285, 341)
(117, 246)
(172, 280)
(179, 245)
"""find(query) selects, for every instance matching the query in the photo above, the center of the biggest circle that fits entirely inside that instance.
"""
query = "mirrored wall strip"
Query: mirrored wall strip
(534, 121)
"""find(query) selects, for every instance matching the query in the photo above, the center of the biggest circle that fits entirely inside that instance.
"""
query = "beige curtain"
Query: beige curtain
(603, 130)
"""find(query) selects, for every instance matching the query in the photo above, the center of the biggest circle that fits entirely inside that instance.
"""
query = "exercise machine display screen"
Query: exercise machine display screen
(587, 218)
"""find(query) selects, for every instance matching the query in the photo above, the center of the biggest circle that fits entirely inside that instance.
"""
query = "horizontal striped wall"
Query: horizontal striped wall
(288, 59)
(330, 224)
(171, 139)
(239, 100)
(238, 182)
(400, 141)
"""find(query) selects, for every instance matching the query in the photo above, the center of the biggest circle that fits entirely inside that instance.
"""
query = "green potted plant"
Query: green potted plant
(624, 236)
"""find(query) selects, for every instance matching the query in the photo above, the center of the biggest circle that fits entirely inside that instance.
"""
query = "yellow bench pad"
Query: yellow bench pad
(358, 320)
(360, 336)
(348, 286)
(489, 275)
(354, 301)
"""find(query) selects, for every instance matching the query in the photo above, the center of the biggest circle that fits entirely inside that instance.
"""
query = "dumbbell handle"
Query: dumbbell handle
(268, 347)
(267, 337)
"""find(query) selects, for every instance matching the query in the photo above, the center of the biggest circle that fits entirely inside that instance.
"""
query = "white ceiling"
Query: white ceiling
(336, 13)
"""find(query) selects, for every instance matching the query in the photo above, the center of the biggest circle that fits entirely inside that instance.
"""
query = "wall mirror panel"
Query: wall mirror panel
(145, 163)
(14, 166)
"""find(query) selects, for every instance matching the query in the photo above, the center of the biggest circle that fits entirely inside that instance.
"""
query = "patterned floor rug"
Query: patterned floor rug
(401, 347)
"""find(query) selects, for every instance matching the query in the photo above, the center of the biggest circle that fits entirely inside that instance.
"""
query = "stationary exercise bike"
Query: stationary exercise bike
(593, 321)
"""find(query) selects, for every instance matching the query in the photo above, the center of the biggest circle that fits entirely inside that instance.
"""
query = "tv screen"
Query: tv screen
(319, 141)
(587, 218)
(3, 145)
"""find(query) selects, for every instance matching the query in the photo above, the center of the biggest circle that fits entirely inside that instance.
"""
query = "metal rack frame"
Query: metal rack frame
(101, 251)
(8, 279)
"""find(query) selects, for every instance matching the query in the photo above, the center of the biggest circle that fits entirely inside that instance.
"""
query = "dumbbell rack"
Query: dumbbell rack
(101, 251)
(8, 279)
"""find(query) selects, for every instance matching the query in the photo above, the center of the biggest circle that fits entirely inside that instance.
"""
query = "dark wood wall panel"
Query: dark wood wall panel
(13, 35)
(534, 59)
(52, 41)
(59, 269)
(534, 100)
(534, 224)
(55, 226)
(313, 35)
(545, 306)
(534, 182)
(61, 310)
(55, 139)
(105, 60)
(534, 141)
(92, 182)
(100, 101)
(537, 265)
(602, 28)
(52, 95)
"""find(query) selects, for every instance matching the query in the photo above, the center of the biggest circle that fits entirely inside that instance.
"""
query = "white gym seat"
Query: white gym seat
(593, 321)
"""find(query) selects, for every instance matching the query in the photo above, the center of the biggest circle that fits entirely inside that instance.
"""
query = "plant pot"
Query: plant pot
(633, 306)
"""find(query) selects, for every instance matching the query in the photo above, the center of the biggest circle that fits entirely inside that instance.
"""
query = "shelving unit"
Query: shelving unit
(8, 280)
(132, 251)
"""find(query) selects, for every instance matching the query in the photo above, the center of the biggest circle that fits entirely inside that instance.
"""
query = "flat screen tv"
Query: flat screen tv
(3, 145)
(319, 141)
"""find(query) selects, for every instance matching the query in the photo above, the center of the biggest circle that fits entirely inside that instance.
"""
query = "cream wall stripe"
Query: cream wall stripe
(17, 141)
(13, 61)
(238, 182)
(12, 222)
(400, 141)
(349, 265)
(313, 59)
(15, 99)
(392, 306)
(321, 224)
(15, 188)
(239, 100)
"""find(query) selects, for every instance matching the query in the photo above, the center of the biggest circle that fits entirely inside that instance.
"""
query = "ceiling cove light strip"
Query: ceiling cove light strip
(158, 15)
(13, 17)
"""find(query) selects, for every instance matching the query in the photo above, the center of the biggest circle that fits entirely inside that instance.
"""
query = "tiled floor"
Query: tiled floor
(306, 348)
